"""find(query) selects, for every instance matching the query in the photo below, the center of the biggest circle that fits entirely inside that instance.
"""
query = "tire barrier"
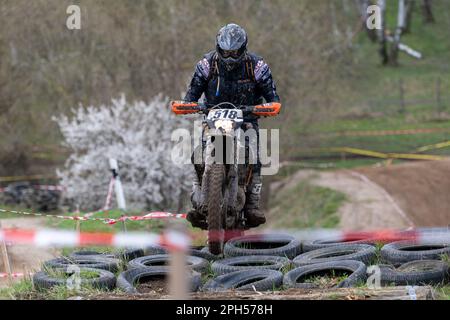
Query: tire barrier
(128, 280)
(255, 262)
(356, 270)
(419, 272)
(233, 264)
(264, 244)
(359, 252)
(400, 252)
(95, 262)
(195, 263)
(98, 278)
(258, 279)
(332, 242)
(196, 251)
(38, 197)
(90, 254)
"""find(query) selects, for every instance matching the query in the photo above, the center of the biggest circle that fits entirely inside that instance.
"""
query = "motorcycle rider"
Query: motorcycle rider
(232, 74)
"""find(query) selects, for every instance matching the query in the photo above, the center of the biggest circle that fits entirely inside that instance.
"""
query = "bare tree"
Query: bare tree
(362, 6)
(382, 33)
(427, 11)
(410, 6)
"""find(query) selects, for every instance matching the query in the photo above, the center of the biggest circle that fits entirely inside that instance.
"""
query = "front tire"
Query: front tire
(216, 208)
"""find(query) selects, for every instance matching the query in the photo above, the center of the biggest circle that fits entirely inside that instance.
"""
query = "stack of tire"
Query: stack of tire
(102, 269)
(419, 262)
(271, 262)
(124, 270)
(268, 262)
(25, 194)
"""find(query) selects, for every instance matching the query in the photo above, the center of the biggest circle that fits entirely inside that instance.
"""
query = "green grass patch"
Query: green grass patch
(18, 290)
(443, 292)
(306, 205)
(327, 280)
(155, 225)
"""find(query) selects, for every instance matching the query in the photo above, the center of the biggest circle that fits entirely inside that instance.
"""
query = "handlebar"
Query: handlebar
(265, 110)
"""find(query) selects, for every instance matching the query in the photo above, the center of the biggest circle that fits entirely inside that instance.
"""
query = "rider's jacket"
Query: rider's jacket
(246, 84)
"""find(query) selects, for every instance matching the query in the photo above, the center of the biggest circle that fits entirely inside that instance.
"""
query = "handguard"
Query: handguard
(267, 109)
(183, 107)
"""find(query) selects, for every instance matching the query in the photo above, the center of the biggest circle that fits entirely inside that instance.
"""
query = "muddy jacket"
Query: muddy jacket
(246, 84)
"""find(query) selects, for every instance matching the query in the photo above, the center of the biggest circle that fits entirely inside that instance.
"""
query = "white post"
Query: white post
(117, 184)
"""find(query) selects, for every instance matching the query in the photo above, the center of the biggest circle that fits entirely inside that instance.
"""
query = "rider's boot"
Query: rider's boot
(253, 214)
(194, 216)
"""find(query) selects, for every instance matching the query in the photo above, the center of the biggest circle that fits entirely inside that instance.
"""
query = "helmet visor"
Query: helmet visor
(230, 53)
(235, 54)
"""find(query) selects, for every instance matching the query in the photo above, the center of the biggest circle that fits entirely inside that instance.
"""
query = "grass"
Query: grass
(443, 292)
(155, 225)
(24, 290)
(19, 290)
(328, 280)
(373, 103)
(8, 215)
(305, 206)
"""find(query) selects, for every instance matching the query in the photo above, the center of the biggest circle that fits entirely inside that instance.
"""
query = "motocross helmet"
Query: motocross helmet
(231, 45)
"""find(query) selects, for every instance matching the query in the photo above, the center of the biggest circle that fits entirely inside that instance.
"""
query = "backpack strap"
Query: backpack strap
(214, 70)
(249, 67)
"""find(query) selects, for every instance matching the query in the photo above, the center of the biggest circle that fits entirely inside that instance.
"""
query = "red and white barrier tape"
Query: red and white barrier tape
(383, 236)
(13, 275)
(151, 215)
(61, 238)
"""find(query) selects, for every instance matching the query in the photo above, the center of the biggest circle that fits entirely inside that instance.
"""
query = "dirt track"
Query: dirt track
(421, 189)
(399, 196)
(25, 258)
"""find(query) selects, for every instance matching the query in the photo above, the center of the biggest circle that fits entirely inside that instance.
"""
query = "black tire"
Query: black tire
(204, 253)
(216, 208)
(260, 280)
(400, 252)
(249, 263)
(196, 251)
(418, 272)
(94, 262)
(332, 242)
(158, 260)
(43, 280)
(359, 252)
(128, 280)
(155, 249)
(265, 244)
(90, 254)
(129, 254)
(293, 279)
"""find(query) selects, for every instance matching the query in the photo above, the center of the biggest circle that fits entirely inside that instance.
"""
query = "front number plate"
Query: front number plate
(225, 114)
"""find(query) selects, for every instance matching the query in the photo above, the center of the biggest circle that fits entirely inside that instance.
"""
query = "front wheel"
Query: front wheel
(216, 208)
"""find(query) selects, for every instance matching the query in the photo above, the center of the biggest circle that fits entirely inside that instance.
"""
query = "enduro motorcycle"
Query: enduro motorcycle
(224, 175)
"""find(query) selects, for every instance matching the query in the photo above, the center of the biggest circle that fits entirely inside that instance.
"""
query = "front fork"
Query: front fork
(232, 177)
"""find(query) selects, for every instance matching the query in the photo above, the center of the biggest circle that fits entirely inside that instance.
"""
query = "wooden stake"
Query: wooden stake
(6, 260)
(177, 280)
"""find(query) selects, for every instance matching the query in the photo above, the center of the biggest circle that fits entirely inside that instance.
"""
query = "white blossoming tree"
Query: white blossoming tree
(138, 135)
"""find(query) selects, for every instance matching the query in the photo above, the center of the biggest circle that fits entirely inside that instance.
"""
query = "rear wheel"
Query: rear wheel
(216, 207)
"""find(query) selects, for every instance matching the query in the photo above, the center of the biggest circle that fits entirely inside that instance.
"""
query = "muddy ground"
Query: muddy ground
(399, 196)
